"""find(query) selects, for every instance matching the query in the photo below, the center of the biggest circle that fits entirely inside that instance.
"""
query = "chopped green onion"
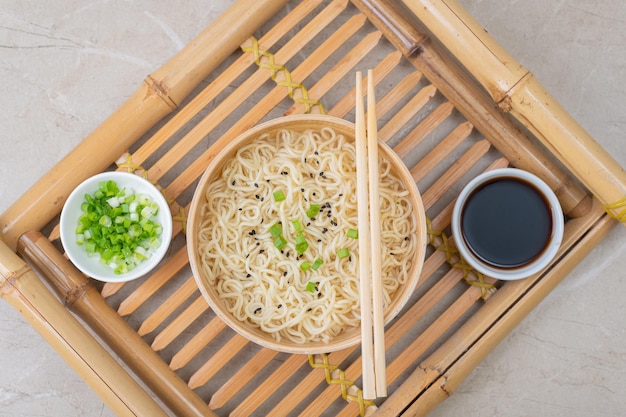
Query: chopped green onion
(301, 244)
(343, 253)
(276, 230)
(118, 226)
(313, 210)
(301, 247)
(305, 266)
(353, 233)
(279, 195)
(311, 286)
(318, 262)
(297, 226)
(280, 242)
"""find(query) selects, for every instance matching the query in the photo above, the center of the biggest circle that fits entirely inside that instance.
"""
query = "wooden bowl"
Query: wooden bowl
(350, 336)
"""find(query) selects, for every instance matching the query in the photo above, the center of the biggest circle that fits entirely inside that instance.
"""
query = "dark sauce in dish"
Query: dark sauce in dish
(506, 222)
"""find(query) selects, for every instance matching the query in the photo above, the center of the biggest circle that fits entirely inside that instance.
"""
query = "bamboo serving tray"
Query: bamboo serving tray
(458, 105)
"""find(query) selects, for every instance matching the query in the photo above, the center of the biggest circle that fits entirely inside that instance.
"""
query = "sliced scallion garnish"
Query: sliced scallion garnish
(313, 210)
(318, 262)
(280, 242)
(279, 196)
(276, 230)
(353, 233)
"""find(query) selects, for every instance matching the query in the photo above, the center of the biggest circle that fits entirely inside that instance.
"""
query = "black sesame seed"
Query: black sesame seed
(257, 196)
(234, 182)
(324, 230)
(302, 189)
(321, 173)
(316, 153)
(258, 310)
(262, 251)
(311, 175)
(258, 243)
(280, 305)
(308, 224)
(285, 273)
(256, 185)
(319, 240)
(262, 198)
(248, 275)
(240, 209)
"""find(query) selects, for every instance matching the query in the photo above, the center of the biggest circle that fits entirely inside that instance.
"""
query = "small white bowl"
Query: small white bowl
(91, 265)
(504, 272)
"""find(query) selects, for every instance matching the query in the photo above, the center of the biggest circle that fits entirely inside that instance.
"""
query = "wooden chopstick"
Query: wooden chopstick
(375, 235)
(370, 258)
(365, 290)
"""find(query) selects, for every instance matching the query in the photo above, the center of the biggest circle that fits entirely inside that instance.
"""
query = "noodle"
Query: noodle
(264, 286)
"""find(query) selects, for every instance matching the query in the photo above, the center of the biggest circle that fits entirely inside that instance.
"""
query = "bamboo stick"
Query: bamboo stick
(475, 104)
(269, 385)
(386, 65)
(79, 295)
(180, 323)
(156, 97)
(154, 282)
(242, 377)
(199, 341)
(441, 150)
(375, 237)
(217, 361)
(175, 300)
(455, 172)
(364, 267)
(21, 287)
(407, 112)
(426, 126)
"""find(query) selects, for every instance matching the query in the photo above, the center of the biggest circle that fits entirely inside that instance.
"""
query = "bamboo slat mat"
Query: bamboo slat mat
(435, 118)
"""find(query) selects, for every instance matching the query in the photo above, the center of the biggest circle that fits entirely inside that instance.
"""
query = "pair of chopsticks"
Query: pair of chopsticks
(370, 262)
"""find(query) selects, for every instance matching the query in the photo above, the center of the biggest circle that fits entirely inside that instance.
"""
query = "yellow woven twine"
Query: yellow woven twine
(340, 379)
(620, 216)
(275, 69)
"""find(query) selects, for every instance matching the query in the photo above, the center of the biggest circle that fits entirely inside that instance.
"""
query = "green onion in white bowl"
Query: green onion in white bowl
(116, 226)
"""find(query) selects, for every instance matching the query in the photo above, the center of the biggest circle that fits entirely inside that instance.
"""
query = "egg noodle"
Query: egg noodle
(266, 287)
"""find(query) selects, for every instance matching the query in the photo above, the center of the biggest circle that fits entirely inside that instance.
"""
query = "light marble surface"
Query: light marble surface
(65, 65)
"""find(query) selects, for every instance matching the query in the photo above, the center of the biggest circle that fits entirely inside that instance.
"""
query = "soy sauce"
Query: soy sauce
(506, 222)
